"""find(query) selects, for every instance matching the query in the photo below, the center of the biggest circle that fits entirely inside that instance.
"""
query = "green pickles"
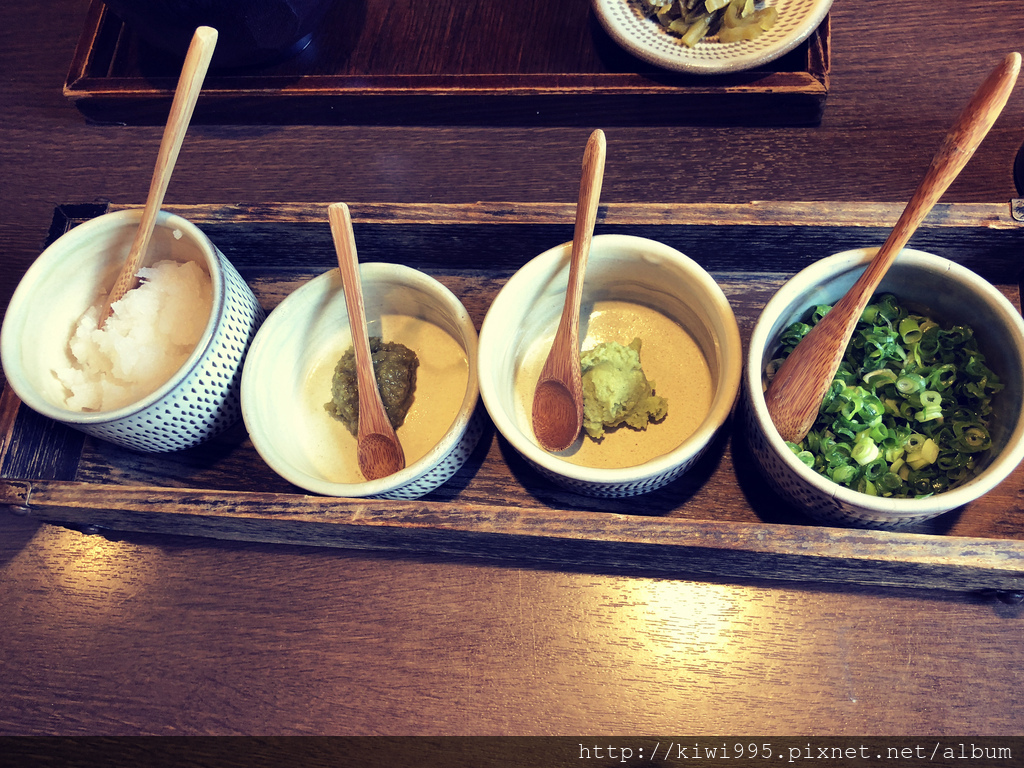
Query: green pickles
(731, 20)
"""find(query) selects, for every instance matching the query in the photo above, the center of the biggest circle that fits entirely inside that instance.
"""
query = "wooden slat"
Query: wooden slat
(593, 539)
(824, 214)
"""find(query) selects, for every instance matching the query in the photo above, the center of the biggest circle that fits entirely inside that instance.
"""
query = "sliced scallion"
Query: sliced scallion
(907, 414)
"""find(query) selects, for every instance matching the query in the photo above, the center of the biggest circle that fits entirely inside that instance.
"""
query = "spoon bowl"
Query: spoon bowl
(557, 410)
(379, 455)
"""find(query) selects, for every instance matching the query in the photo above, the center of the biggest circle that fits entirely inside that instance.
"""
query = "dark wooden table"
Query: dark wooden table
(145, 634)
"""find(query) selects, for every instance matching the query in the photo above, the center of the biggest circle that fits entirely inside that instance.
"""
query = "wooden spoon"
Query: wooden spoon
(558, 399)
(190, 83)
(796, 391)
(378, 450)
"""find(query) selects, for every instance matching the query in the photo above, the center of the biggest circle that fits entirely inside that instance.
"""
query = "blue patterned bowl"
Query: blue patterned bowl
(197, 402)
(620, 268)
(947, 291)
(287, 380)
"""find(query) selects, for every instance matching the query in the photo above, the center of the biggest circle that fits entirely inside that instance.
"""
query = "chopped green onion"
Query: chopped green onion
(805, 456)
(910, 331)
(931, 406)
(880, 377)
(927, 454)
(865, 451)
(942, 377)
(909, 383)
(907, 413)
(844, 474)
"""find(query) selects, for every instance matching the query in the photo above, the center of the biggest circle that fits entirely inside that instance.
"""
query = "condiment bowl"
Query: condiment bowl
(288, 377)
(199, 401)
(945, 291)
(634, 27)
(637, 272)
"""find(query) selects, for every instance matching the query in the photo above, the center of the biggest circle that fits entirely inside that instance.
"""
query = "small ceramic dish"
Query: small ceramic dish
(634, 287)
(644, 37)
(199, 401)
(288, 373)
(947, 292)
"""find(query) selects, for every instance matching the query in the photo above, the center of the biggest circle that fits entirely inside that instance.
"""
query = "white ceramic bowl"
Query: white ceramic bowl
(950, 293)
(620, 268)
(647, 39)
(199, 401)
(287, 380)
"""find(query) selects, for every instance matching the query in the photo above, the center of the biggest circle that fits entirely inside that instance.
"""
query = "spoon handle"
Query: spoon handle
(956, 150)
(190, 83)
(583, 233)
(373, 419)
(796, 391)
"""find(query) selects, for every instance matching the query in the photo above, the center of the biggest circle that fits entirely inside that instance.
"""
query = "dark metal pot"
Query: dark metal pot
(250, 32)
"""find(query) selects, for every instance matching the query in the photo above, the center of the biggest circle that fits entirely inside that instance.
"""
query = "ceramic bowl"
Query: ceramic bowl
(198, 402)
(948, 292)
(287, 382)
(1018, 171)
(627, 23)
(621, 268)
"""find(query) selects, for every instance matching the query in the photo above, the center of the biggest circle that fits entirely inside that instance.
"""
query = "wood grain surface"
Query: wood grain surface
(158, 634)
(513, 74)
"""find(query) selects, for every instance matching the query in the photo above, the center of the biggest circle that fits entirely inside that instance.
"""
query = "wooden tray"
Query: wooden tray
(719, 519)
(527, 62)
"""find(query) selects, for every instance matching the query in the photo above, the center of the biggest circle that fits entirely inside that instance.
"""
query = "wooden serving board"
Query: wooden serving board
(529, 62)
(720, 519)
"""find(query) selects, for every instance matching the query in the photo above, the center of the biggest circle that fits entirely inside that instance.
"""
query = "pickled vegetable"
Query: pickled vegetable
(730, 20)
(394, 366)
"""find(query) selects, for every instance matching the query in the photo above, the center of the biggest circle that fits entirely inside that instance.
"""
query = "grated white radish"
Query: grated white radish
(151, 332)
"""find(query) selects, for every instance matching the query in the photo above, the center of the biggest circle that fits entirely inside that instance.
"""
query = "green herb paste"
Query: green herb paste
(394, 365)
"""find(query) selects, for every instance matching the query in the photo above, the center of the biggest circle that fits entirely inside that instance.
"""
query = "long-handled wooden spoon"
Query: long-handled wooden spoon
(378, 450)
(190, 83)
(558, 399)
(796, 391)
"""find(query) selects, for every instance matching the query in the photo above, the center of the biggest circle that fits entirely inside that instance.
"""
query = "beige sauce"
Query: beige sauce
(441, 381)
(670, 358)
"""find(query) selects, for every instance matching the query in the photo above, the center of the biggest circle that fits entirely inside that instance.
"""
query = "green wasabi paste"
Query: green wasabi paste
(616, 391)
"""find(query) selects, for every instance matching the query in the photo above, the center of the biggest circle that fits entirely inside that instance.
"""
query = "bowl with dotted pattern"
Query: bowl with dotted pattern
(628, 24)
(620, 268)
(198, 402)
(288, 379)
(944, 290)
